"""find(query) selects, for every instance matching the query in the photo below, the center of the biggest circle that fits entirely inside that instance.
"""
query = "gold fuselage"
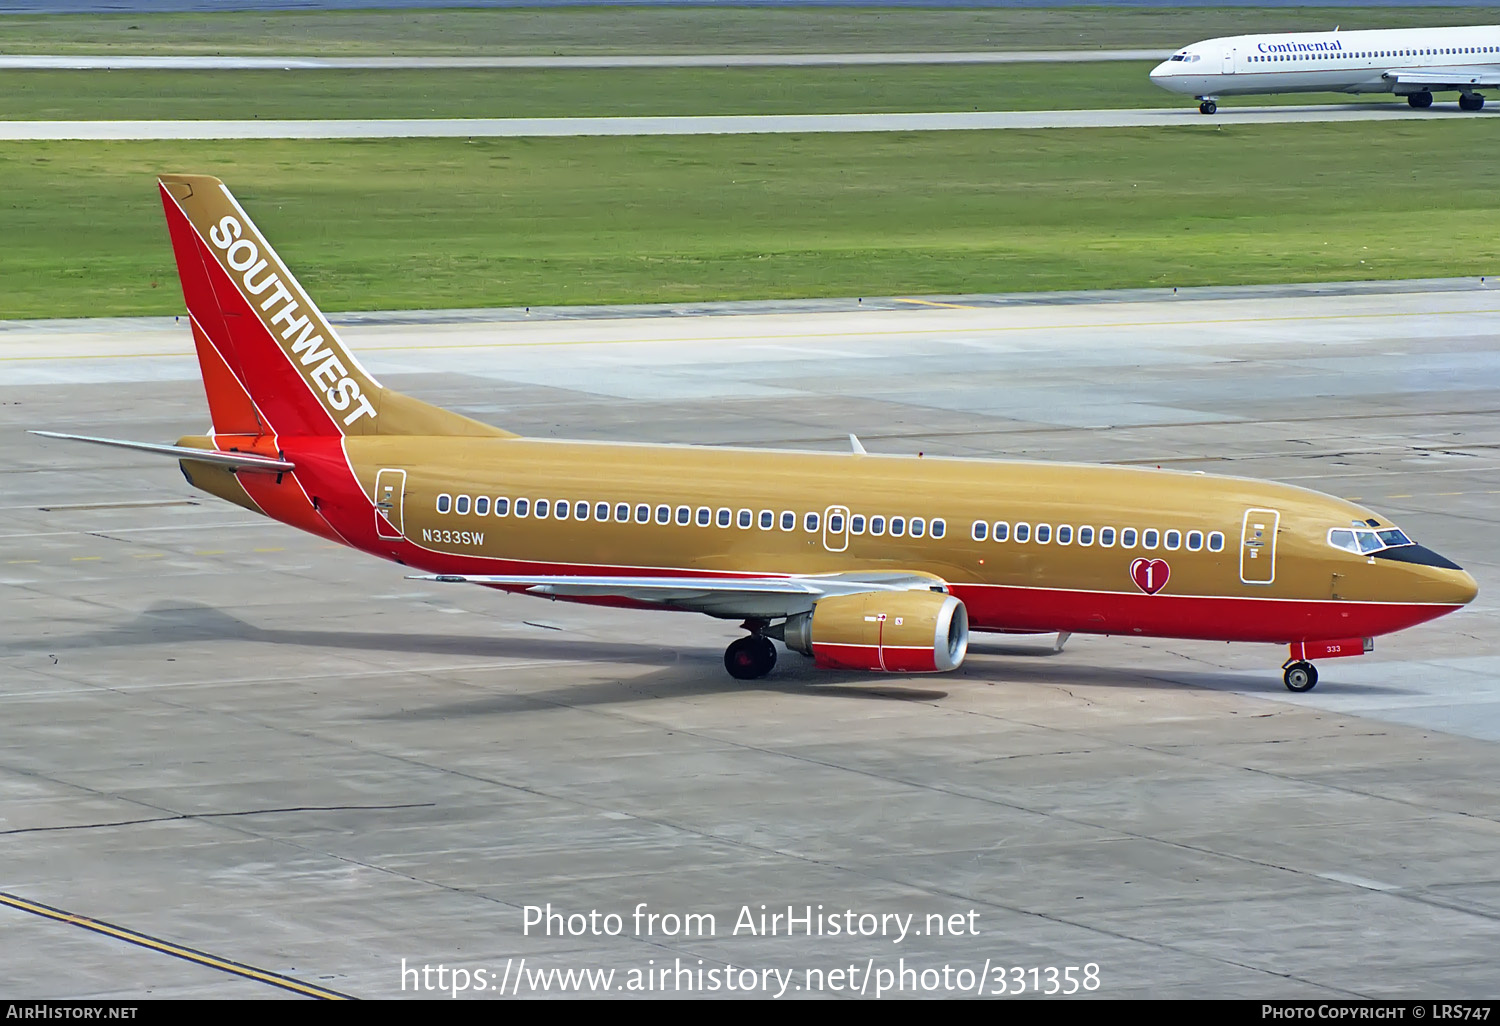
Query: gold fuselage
(1009, 584)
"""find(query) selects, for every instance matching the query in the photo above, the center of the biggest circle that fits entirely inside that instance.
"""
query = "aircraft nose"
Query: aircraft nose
(1160, 70)
(1464, 588)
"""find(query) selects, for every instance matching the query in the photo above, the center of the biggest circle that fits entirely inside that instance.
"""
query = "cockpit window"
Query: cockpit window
(1366, 542)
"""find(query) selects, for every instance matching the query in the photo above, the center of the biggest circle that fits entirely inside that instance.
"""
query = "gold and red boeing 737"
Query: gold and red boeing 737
(863, 562)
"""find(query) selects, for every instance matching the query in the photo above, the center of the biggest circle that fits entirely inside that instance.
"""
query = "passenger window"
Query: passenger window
(502, 507)
(1043, 533)
(643, 514)
(836, 523)
(939, 528)
(1106, 537)
(857, 524)
(1150, 538)
(482, 506)
(705, 516)
(1127, 538)
(726, 516)
(462, 505)
(664, 514)
(523, 507)
(788, 520)
(539, 508)
(1174, 540)
(810, 523)
(898, 526)
(580, 511)
(622, 513)
(444, 503)
(1023, 532)
(1216, 542)
(561, 509)
(1085, 536)
(877, 526)
(746, 518)
(980, 531)
(1064, 534)
(918, 527)
(767, 520)
(684, 515)
(1195, 541)
(601, 511)
(1002, 531)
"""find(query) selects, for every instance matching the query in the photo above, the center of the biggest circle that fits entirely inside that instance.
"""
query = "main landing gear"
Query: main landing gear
(1208, 107)
(1470, 101)
(1421, 100)
(1299, 675)
(751, 657)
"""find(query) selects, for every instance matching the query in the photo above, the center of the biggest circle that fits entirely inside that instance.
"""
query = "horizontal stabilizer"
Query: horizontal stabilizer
(234, 460)
(729, 597)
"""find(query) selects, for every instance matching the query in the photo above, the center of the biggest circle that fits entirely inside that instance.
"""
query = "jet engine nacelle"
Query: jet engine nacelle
(889, 631)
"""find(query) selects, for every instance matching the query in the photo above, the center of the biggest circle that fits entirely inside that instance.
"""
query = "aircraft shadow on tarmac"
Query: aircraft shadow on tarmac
(684, 672)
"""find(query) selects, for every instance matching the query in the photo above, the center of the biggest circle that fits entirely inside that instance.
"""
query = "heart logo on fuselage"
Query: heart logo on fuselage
(1150, 575)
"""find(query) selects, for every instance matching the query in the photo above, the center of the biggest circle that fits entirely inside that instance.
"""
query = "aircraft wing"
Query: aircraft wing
(727, 597)
(1451, 78)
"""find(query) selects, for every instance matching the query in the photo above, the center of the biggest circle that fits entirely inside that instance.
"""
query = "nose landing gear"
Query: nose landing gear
(751, 657)
(1299, 675)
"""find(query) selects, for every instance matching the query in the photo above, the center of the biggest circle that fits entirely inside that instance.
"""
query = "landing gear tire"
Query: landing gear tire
(1208, 107)
(750, 657)
(1300, 677)
(1470, 101)
(1421, 101)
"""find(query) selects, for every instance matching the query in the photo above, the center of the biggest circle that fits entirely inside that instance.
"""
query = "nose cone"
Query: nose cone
(1168, 75)
(1442, 581)
(1462, 587)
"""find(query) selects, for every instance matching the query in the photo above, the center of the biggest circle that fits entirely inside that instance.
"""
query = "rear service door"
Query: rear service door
(1258, 546)
(390, 498)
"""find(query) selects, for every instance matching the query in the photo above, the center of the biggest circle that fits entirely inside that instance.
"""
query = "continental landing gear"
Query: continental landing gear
(751, 657)
(1421, 101)
(1470, 101)
(1208, 107)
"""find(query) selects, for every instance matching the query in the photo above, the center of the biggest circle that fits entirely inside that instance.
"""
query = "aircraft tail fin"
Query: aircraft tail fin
(271, 362)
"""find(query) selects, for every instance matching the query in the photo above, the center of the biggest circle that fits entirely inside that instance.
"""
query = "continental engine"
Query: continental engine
(889, 631)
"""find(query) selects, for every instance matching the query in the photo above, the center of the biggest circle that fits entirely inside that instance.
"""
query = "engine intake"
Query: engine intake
(888, 631)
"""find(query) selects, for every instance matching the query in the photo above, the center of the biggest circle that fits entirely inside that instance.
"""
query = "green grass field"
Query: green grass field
(680, 30)
(105, 95)
(439, 223)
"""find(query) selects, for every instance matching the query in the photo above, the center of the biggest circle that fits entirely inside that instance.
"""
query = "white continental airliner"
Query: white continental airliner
(1414, 63)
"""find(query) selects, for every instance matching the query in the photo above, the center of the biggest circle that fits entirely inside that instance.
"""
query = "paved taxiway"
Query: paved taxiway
(219, 62)
(227, 735)
(739, 124)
